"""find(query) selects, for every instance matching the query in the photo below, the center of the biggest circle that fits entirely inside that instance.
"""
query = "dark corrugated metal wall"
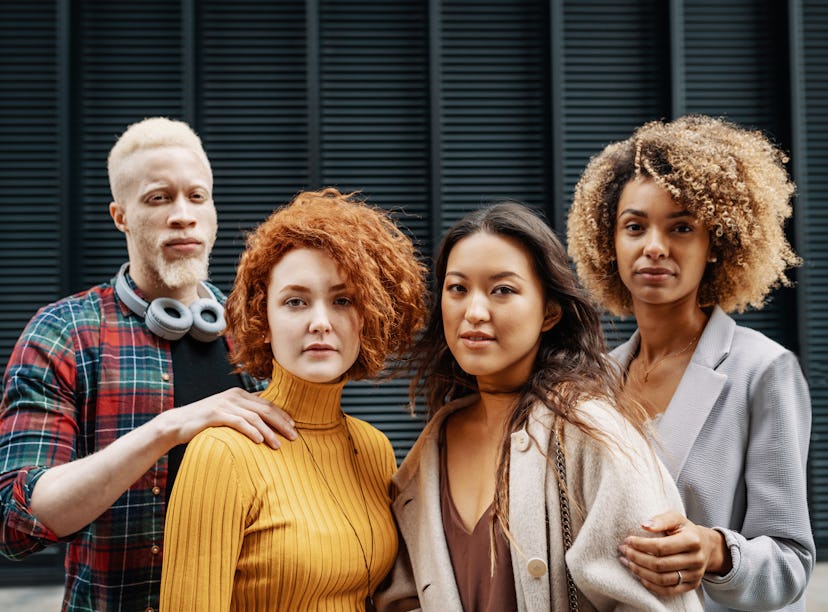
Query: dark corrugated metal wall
(431, 107)
(809, 124)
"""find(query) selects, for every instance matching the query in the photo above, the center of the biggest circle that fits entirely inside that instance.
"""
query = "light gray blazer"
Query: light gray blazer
(735, 439)
(616, 493)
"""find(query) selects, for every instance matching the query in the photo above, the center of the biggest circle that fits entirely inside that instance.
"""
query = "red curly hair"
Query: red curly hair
(375, 256)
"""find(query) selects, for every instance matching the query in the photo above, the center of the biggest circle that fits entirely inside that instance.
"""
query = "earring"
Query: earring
(712, 259)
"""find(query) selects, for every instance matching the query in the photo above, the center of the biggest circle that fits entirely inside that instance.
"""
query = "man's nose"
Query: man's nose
(182, 213)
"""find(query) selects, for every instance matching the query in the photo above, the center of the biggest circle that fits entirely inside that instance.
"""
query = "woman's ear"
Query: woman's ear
(711, 252)
(554, 312)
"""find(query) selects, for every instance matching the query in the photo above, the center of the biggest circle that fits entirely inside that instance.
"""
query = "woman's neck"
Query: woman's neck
(310, 404)
(494, 409)
(667, 329)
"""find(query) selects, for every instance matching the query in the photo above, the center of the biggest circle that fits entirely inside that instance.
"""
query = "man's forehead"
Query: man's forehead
(146, 166)
(161, 156)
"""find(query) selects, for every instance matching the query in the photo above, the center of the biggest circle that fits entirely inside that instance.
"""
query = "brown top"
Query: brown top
(470, 556)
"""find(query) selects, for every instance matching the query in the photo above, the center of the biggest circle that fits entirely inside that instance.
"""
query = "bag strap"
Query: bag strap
(560, 466)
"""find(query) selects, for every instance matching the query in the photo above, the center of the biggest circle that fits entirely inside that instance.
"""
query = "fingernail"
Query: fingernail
(624, 561)
(622, 549)
(647, 524)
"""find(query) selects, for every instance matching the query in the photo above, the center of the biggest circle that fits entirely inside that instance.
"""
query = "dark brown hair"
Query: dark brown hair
(571, 365)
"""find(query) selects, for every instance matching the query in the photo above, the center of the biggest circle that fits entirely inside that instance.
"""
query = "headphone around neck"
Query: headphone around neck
(169, 318)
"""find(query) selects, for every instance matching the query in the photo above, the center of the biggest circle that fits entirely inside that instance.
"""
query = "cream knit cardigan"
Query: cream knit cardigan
(615, 486)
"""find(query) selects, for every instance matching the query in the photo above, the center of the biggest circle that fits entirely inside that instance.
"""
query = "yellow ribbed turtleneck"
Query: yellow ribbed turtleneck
(310, 404)
(252, 528)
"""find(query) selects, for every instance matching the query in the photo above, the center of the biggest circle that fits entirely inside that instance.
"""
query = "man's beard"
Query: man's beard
(182, 272)
(179, 272)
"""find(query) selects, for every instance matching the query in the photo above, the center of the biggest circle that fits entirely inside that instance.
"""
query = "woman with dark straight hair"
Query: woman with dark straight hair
(530, 471)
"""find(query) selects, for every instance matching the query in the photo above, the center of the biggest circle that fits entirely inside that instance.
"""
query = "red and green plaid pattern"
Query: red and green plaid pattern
(84, 372)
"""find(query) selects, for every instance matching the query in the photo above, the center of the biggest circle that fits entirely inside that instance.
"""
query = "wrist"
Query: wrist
(166, 431)
(719, 560)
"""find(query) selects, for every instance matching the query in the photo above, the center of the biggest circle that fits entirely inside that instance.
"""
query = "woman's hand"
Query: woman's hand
(677, 561)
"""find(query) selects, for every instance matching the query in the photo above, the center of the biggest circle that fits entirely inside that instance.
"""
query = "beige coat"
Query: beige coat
(617, 489)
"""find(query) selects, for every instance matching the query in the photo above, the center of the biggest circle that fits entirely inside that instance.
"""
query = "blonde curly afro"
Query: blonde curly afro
(376, 257)
(730, 178)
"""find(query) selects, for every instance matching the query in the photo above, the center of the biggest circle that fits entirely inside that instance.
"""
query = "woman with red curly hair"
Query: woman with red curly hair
(679, 225)
(327, 289)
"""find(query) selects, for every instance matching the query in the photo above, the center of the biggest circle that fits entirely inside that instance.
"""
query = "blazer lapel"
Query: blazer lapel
(696, 394)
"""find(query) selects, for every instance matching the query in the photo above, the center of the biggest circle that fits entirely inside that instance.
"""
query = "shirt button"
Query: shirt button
(155, 549)
(165, 377)
(522, 441)
(156, 490)
(536, 567)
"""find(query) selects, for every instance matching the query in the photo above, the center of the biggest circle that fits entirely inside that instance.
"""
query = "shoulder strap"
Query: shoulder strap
(560, 466)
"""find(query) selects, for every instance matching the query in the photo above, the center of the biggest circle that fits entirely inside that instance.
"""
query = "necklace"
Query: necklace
(648, 371)
(365, 557)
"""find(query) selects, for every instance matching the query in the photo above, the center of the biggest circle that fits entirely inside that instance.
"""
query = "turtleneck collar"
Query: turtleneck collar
(310, 404)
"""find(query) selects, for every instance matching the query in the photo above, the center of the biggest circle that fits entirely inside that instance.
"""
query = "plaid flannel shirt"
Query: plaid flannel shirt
(85, 371)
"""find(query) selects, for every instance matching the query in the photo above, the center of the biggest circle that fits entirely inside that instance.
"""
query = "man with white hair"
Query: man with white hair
(89, 440)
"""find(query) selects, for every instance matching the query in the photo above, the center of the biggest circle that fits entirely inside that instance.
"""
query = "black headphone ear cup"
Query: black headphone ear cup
(168, 318)
(208, 319)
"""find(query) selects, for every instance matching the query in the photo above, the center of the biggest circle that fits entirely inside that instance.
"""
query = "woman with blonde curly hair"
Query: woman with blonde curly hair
(327, 289)
(679, 225)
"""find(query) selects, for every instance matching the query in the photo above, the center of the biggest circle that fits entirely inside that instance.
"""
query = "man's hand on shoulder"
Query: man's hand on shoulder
(245, 412)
